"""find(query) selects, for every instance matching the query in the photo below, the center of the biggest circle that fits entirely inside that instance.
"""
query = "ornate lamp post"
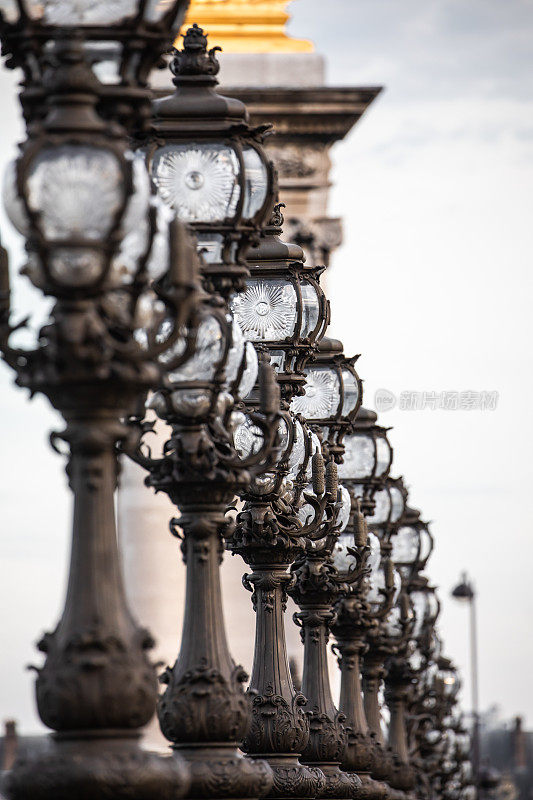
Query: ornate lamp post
(411, 547)
(79, 193)
(389, 504)
(330, 402)
(208, 164)
(283, 310)
(203, 711)
(366, 463)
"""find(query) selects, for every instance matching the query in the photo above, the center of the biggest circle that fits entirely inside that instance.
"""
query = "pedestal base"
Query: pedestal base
(339, 784)
(97, 767)
(294, 780)
(221, 771)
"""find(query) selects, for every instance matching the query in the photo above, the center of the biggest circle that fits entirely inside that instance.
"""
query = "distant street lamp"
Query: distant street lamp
(464, 591)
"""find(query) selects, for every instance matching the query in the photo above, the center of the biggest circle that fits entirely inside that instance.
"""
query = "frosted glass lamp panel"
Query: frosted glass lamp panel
(341, 558)
(310, 308)
(351, 392)
(405, 545)
(247, 438)
(321, 396)
(250, 372)
(256, 183)
(266, 311)
(374, 556)
(343, 514)
(77, 191)
(235, 354)
(198, 181)
(397, 504)
(134, 227)
(382, 508)
(203, 364)
(358, 458)
(383, 456)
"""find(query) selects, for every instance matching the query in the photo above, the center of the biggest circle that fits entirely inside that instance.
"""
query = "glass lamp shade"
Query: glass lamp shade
(419, 600)
(206, 359)
(293, 453)
(376, 588)
(383, 456)
(382, 508)
(311, 307)
(256, 183)
(249, 373)
(247, 437)
(374, 555)
(359, 458)
(341, 558)
(267, 310)
(405, 546)
(343, 514)
(351, 392)
(76, 195)
(235, 354)
(203, 181)
(321, 399)
(199, 181)
(426, 544)
(397, 503)
(76, 190)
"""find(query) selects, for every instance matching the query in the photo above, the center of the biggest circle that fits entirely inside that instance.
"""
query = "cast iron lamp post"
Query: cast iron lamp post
(208, 164)
(78, 195)
(366, 463)
(204, 711)
(331, 399)
(282, 310)
(411, 546)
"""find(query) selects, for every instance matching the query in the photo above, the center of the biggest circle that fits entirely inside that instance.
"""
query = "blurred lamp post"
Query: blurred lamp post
(464, 591)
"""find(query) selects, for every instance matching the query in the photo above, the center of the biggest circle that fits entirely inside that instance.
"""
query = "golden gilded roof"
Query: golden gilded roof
(246, 26)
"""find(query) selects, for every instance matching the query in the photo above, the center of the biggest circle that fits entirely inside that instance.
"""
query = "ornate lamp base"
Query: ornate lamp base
(294, 780)
(339, 784)
(222, 771)
(107, 764)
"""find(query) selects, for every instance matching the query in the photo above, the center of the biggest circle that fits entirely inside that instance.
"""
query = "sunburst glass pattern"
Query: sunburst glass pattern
(266, 311)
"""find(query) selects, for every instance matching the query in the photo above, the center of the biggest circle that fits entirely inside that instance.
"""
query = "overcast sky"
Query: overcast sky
(432, 286)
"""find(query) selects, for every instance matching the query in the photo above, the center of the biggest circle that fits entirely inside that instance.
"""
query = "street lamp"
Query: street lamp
(367, 457)
(283, 311)
(465, 592)
(283, 307)
(79, 193)
(208, 164)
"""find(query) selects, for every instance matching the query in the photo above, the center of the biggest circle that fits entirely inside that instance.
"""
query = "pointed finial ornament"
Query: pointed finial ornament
(195, 58)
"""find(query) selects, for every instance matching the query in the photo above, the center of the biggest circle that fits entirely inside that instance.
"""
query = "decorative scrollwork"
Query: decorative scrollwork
(203, 706)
